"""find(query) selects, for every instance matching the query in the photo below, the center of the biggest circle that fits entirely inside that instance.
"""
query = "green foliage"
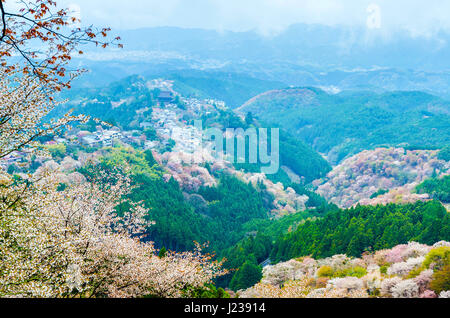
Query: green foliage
(150, 159)
(352, 231)
(315, 200)
(253, 248)
(162, 252)
(61, 187)
(380, 192)
(325, 271)
(139, 162)
(301, 158)
(247, 276)
(356, 271)
(444, 154)
(119, 101)
(229, 119)
(165, 200)
(12, 169)
(208, 291)
(438, 257)
(230, 205)
(273, 228)
(151, 134)
(437, 188)
(293, 153)
(261, 234)
(177, 101)
(57, 151)
(350, 122)
(170, 145)
(296, 155)
(249, 118)
(91, 126)
(441, 280)
(171, 213)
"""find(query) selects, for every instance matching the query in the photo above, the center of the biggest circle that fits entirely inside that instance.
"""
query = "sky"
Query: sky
(419, 17)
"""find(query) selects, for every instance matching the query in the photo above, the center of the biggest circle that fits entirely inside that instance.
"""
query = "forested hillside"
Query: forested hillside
(214, 215)
(125, 103)
(437, 188)
(349, 122)
(383, 175)
(232, 87)
(293, 153)
(365, 228)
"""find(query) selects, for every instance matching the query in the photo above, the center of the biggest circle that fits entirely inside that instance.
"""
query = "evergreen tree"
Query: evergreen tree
(247, 276)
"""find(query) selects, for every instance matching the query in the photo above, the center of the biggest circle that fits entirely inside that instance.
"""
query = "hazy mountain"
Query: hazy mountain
(338, 58)
(309, 45)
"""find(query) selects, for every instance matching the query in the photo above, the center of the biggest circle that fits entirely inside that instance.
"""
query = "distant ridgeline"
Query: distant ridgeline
(346, 123)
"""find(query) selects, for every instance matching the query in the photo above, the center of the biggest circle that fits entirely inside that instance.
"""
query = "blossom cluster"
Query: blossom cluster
(396, 170)
(405, 271)
(75, 243)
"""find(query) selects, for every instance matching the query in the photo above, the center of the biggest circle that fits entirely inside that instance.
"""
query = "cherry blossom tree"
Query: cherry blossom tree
(73, 243)
(24, 104)
(45, 36)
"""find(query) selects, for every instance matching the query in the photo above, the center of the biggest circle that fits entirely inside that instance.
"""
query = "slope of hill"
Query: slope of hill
(344, 124)
(129, 102)
(396, 171)
(121, 99)
(231, 87)
(119, 103)
(437, 188)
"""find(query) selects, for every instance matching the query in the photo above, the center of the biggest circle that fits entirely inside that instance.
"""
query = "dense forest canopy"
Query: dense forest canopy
(365, 228)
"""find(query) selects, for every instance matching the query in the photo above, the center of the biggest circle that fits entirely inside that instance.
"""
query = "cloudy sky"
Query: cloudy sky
(267, 16)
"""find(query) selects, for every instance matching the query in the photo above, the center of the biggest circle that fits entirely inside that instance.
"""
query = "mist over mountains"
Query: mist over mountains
(309, 45)
(335, 58)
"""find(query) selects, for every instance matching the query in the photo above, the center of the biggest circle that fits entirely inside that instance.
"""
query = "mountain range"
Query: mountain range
(336, 58)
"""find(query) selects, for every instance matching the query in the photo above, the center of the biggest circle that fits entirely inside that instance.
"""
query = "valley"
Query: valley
(215, 151)
(181, 181)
